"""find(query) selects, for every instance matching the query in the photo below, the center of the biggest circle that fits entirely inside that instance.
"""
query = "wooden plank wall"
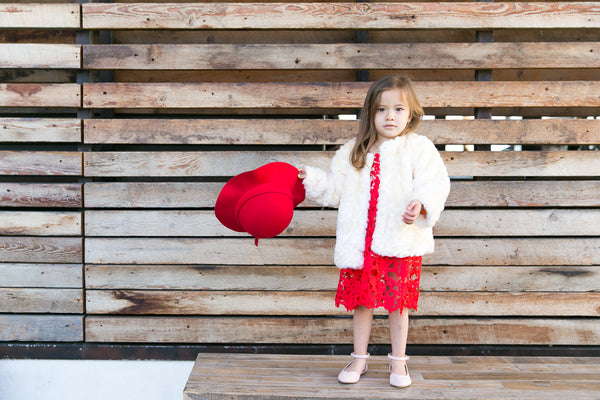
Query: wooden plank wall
(120, 122)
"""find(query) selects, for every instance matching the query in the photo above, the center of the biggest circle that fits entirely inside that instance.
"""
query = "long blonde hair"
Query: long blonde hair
(367, 134)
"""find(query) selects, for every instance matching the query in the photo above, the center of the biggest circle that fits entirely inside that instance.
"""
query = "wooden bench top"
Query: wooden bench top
(257, 376)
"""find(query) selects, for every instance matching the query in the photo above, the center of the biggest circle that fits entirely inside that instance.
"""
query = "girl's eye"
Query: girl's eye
(381, 109)
(399, 109)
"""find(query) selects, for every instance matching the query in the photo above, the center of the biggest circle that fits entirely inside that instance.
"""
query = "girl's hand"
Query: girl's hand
(301, 173)
(412, 212)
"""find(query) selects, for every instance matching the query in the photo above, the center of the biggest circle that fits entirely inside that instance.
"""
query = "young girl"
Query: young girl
(390, 186)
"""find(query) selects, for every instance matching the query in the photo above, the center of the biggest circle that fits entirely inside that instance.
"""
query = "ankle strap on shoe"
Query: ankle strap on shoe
(394, 358)
(361, 356)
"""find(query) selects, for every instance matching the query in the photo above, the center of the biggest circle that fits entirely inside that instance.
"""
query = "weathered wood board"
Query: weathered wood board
(548, 222)
(230, 163)
(325, 277)
(40, 95)
(40, 223)
(51, 130)
(315, 131)
(16, 15)
(335, 95)
(41, 275)
(41, 328)
(41, 249)
(55, 195)
(342, 56)
(299, 330)
(54, 301)
(295, 377)
(40, 163)
(33, 55)
(307, 303)
(463, 194)
(242, 251)
(341, 16)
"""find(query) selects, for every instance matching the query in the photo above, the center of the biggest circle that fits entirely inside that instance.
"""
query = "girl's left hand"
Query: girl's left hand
(412, 212)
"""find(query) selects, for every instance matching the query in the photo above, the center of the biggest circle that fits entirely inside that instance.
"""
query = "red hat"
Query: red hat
(260, 202)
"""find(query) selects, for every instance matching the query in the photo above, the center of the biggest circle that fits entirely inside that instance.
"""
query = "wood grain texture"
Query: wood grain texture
(325, 277)
(41, 328)
(59, 195)
(230, 163)
(298, 330)
(335, 95)
(33, 55)
(316, 131)
(166, 195)
(41, 275)
(40, 163)
(40, 95)
(307, 303)
(54, 130)
(342, 56)
(524, 194)
(282, 251)
(16, 15)
(40, 223)
(551, 222)
(340, 16)
(216, 376)
(41, 249)
(50, 301)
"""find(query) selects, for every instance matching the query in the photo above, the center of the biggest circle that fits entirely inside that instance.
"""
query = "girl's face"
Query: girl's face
(392, 115)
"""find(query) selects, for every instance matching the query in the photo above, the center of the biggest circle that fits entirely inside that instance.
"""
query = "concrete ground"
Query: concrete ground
(93, 379)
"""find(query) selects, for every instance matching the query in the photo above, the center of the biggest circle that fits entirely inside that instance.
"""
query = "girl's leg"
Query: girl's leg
(399, 334)
(361, 321)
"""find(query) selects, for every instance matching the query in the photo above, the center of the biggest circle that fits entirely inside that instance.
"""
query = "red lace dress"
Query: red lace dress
(388, 282)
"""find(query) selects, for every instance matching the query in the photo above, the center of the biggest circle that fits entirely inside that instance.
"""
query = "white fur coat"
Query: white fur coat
(410, 169)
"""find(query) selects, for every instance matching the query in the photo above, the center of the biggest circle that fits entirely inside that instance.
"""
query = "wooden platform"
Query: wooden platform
(251, 376)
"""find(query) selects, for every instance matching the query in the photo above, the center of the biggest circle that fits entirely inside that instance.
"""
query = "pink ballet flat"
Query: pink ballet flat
(398, 380)
(351, 376)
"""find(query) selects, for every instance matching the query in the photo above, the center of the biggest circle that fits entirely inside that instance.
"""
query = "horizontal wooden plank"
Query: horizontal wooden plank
(40, 223)
(17, 15)
(318, 131)
(463, 194)
(306, 303)
(553, 222)
(41, 328)
(307, 278)
(40, 163)
(55, 301)
(298, 330)
(58, 195)
(51, 130)
(271, 376)
(33, 55)
(342, 56)
(335, 95)
(41, 249)
(41, 275)
(280, 251)
(151, 194)
(221, 163)
(552, 163)
(341, 16)
(40, 95)
(524, 194)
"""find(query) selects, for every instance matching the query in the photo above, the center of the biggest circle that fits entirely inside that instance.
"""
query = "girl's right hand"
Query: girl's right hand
(301, 173)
